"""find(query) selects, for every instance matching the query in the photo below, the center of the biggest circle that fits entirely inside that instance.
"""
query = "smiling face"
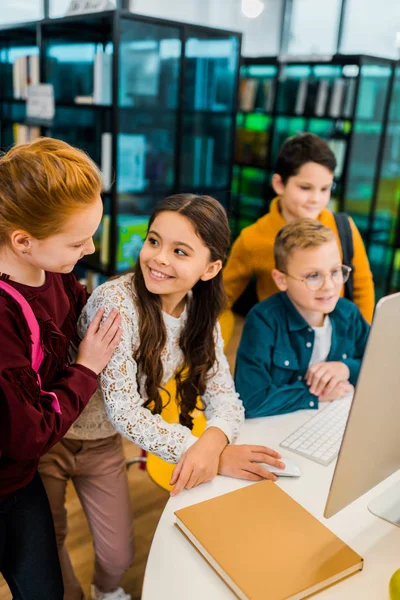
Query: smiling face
(59, 253)
(305, 194)
(309, 263)
(174, 258)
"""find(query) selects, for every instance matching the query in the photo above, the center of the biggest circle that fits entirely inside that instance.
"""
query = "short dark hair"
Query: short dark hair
(301, 149)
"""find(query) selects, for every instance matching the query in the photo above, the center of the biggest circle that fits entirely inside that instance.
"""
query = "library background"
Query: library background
(197, 96)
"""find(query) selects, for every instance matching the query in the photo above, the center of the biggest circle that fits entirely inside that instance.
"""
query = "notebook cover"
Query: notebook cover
(265, 545)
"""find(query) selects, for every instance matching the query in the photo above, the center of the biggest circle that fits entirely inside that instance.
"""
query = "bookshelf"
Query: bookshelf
(343, 99)
(384, 235)
(152, 101)
(254, 126)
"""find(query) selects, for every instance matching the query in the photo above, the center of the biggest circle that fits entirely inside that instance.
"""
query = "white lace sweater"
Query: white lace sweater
(119, 403)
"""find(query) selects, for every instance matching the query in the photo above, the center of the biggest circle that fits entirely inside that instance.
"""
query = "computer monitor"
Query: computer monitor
(370, 449)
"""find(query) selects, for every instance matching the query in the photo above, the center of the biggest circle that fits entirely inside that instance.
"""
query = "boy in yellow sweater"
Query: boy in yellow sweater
(303, 180)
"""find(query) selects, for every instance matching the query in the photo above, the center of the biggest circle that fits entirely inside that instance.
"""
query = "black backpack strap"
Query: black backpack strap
(346, 241)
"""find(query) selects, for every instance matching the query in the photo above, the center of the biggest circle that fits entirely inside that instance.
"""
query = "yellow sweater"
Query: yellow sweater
(253, 254)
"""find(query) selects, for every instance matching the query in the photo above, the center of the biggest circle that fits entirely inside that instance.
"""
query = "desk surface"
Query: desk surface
(175, 571)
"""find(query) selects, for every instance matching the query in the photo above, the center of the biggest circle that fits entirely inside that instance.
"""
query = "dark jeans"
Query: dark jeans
(28, 552)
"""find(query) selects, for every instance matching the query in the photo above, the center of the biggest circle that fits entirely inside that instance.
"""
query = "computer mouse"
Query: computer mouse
(290, 470)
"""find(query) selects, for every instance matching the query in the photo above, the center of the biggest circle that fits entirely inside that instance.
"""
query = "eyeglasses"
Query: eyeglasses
(315, 281)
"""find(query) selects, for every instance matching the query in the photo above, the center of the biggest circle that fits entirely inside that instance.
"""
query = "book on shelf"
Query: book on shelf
(131, 162)
(203, 84)
(338, 147)
(350, 96)
(25, 72)
(92, 279)
(104, 241)
(251, 146)
(131, 233)
(269, 88)
(210, 73)
(84, 99)
(25, 133)
(247, 94)
(207, 83)
(301, 97)
(321, 100)
(203, 161)
(198, 160)
(102, 78)
(139, 81)
(367, 99)
(337, 97)
(106, 160)
(222, 95)
(265, 545)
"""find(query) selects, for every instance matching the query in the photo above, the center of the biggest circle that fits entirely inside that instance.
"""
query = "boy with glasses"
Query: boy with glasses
(303, 345)
(303, 180)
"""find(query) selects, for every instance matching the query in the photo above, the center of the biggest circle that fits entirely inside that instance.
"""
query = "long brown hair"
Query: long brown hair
(197, 342)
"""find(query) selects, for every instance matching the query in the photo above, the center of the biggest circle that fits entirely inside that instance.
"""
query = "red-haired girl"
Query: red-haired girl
(50, 207)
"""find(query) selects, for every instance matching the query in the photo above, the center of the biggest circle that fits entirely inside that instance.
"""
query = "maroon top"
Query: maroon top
(29, 426)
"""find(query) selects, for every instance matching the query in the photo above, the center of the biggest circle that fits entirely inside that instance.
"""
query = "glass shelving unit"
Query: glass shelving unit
(152, 101)
(384, 242)
(251, 190)
(343, 100)
(16, 42)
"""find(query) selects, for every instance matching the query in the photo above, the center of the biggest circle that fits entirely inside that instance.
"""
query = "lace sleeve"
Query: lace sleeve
(224, 409)
(122, 399)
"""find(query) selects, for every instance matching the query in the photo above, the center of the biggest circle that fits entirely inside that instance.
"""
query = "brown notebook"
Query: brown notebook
(266, 546)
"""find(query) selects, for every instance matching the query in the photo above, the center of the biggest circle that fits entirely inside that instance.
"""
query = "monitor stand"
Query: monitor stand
(387, 505)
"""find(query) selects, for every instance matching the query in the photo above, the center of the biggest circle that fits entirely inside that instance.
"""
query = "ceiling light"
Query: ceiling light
(252, 8)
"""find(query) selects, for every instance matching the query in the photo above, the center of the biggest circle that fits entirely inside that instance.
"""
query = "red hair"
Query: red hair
(42, 183)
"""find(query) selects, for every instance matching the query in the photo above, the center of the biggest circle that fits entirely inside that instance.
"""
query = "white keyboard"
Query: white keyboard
(320, 437)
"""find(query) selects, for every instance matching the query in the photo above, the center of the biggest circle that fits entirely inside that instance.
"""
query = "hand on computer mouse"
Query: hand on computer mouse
(243, 462)
(343, 388)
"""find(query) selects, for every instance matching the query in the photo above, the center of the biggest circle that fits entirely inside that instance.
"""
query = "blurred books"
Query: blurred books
(257, 94)
(24, 133)
(251, 147)
(131, 233)
(25, 72)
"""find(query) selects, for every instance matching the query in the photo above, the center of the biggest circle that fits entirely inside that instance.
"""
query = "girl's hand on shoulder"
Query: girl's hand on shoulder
(200, 462)
(100, 341)
(243, 462)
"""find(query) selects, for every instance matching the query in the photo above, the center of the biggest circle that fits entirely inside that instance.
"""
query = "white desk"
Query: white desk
(175, 571)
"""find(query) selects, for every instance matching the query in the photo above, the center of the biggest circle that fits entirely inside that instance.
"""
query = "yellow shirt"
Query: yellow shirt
(253, 254)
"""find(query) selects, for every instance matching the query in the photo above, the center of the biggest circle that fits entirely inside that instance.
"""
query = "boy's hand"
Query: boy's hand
(342, 389)
(324, 377)
(200, 462)
(100, 341)
(243, 462)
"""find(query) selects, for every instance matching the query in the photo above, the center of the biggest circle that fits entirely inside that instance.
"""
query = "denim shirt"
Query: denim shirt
(275, 352)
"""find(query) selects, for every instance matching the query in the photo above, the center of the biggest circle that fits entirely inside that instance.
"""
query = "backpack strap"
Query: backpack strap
(37, 350)
(346, 241)
(37, 353)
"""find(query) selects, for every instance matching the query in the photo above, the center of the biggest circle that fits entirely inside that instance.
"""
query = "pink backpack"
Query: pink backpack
(37, 350)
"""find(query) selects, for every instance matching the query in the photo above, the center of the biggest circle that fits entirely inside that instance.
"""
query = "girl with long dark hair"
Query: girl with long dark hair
(169, 309)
